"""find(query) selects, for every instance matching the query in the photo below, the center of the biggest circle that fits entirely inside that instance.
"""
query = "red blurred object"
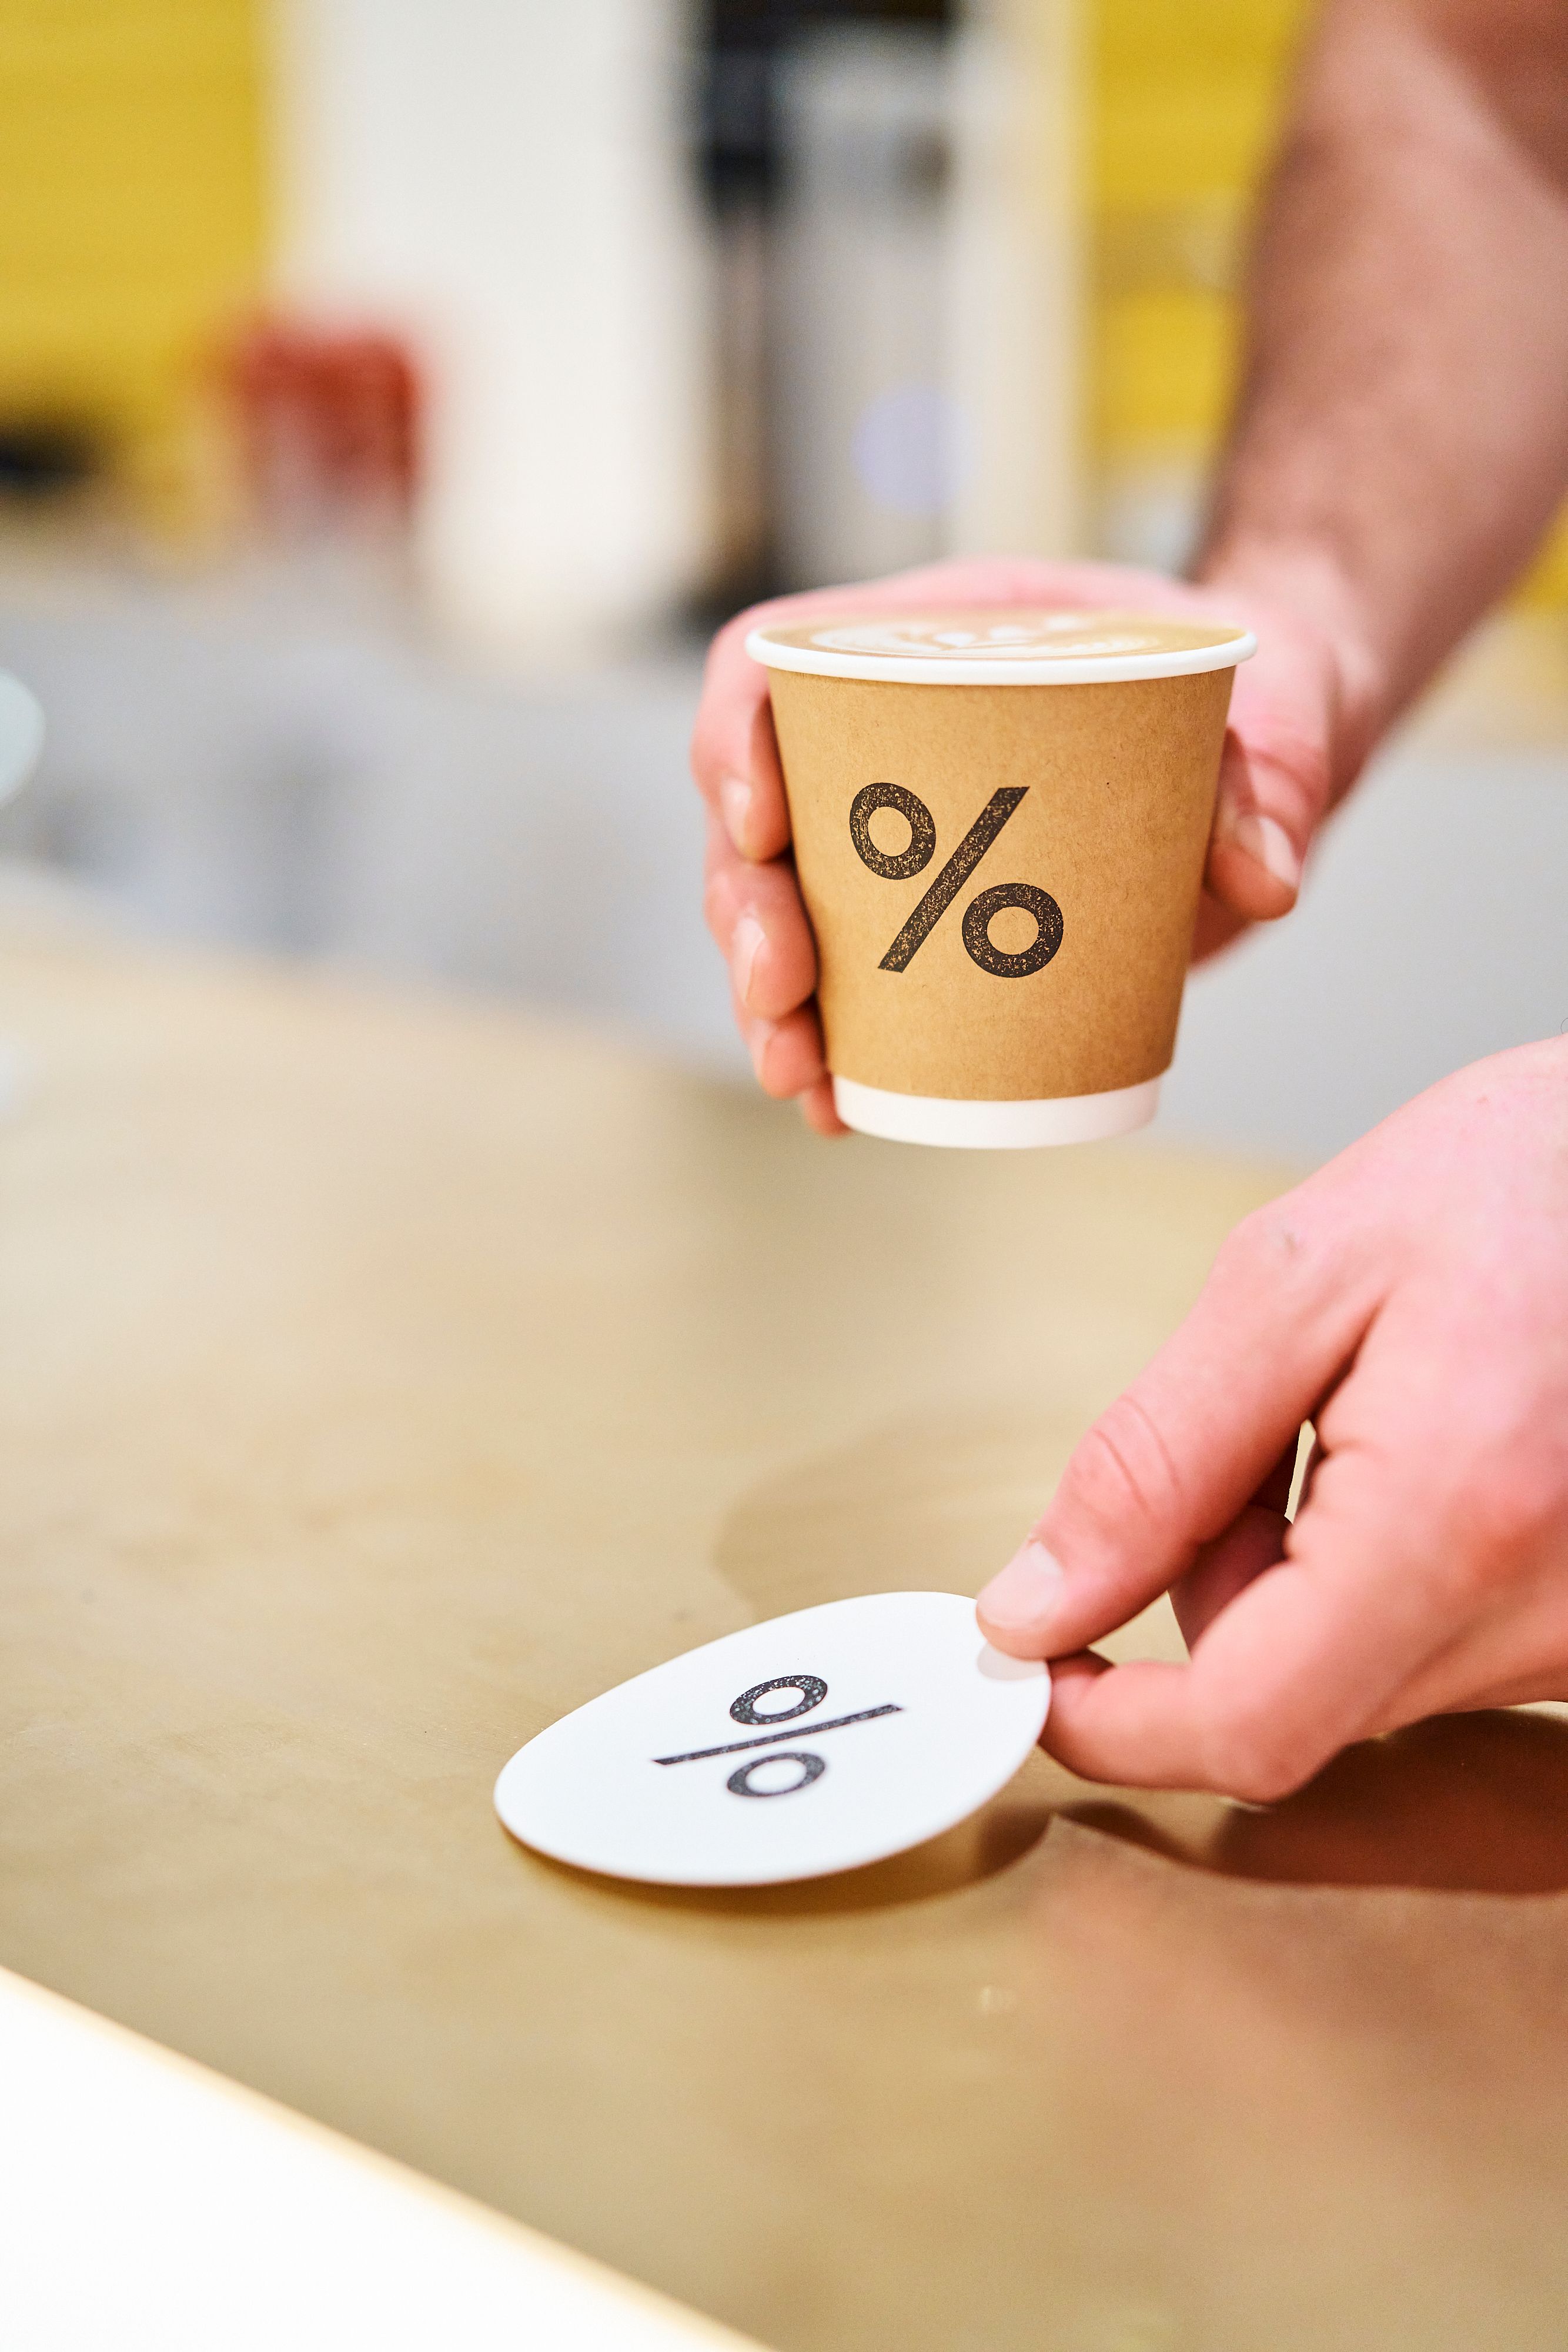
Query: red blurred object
(329, 423)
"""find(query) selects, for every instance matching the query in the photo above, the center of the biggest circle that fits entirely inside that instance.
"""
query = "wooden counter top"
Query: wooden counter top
(383, 1376)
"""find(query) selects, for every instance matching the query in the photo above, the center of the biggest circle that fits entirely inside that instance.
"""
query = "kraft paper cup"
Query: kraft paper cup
(1001, 820)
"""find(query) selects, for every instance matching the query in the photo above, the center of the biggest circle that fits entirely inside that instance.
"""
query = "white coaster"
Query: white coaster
(810, 1744)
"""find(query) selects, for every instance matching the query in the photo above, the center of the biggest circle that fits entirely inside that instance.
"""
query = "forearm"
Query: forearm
(1401, 440)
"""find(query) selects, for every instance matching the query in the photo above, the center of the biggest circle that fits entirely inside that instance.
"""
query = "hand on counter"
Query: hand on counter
(1291, 749)
(1411, 1300)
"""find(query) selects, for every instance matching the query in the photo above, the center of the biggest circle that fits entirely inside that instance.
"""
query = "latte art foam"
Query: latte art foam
(1012, 637)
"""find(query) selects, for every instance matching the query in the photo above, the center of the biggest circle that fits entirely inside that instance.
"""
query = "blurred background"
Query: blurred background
(394, 393)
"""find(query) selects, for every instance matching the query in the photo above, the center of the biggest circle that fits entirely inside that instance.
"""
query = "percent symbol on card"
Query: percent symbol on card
(982, 908)
(813, 1690)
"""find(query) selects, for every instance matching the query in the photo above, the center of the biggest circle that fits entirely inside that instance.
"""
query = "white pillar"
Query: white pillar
(505, 180)
(1017, 300)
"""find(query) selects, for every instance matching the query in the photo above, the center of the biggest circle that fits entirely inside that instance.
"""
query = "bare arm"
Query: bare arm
(1401, 440)
(1400, 444)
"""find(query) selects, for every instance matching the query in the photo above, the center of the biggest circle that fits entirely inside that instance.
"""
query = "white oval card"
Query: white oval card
(816, 1742)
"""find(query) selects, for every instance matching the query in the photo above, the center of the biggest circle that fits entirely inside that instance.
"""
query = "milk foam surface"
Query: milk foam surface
(1001, 645)
(1008, 635)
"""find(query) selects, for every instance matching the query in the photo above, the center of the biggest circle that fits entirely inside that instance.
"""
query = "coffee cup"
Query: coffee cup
(1000, 819)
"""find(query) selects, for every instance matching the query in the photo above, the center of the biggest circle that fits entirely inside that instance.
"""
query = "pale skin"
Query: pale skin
(1400, 442)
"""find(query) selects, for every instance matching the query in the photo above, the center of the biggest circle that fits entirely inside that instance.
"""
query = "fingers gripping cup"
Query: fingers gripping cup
(1001, 820)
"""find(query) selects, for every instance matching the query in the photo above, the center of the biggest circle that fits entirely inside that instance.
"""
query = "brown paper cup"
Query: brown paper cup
(1001, 820)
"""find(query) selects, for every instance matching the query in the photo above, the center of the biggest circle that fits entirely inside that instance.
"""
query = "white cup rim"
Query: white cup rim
(767, 645)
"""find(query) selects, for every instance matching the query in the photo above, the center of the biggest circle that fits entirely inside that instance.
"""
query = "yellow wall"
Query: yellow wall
(1183, 97)
(131, 214)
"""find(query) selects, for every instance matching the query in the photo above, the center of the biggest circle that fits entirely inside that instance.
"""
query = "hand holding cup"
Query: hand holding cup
(1286, 757)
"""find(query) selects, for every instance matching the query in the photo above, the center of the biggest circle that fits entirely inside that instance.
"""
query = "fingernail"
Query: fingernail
(735, 800)
(1026, 1592)
(759, 1037)
(745, 941)
(1269, 844)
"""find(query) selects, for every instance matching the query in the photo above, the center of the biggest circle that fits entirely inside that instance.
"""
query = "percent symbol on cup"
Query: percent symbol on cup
(983, 907)
(813, 1690)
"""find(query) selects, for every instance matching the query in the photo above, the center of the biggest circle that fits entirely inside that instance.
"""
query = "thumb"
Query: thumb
(1175, 1459)
(1303, 714)
(1263, 825)
(1274, 776)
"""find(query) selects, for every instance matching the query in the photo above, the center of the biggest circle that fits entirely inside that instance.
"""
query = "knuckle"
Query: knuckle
(1123, 1467)
(1246, 1756)
(781, 1057)
(1302, 1256)
(1488, 1474)
(1499, 1511)
(719, 907)
(772, 894)
(1278, 1239)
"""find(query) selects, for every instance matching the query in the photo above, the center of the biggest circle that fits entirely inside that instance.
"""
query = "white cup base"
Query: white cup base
(994, 1125)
